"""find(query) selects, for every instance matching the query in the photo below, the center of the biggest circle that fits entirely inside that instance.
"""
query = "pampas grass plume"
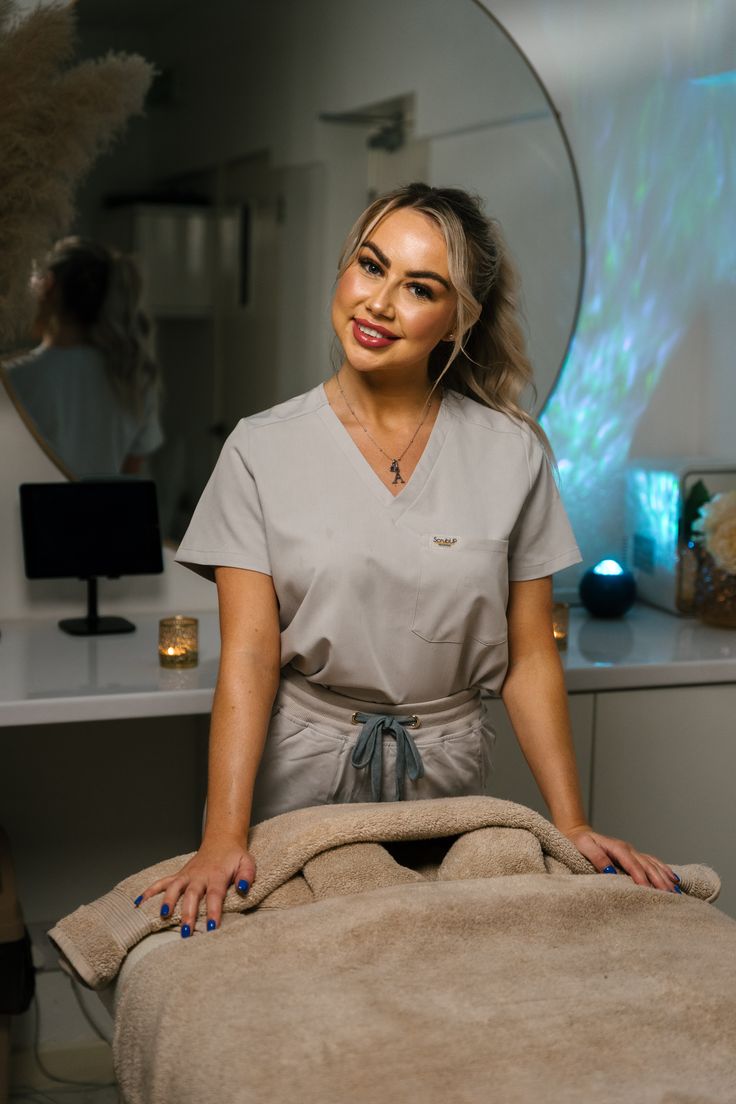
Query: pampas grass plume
(55, 119)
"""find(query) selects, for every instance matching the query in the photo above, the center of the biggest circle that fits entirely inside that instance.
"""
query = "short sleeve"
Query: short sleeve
(149, 436)
(542, 540)
(227, 528)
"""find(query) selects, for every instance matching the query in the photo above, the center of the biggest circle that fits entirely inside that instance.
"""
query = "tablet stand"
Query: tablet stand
(93, 624)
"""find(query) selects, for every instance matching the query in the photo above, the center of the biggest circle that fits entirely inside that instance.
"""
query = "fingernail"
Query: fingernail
(243, 886)
(138, 900)
(211, 925)
(676, 876)
(185, 931)
(677, 890)
(164, 910)
(609, 870)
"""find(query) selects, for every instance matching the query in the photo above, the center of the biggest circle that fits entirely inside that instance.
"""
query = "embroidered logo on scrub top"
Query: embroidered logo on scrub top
(444, 541)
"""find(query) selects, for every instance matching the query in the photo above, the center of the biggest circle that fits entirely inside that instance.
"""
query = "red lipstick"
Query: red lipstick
(370, 340)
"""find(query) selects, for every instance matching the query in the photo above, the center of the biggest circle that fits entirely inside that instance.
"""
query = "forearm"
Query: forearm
(241, 713)
(535, 698)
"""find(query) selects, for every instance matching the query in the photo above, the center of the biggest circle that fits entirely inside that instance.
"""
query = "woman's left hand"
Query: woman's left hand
(605, 851)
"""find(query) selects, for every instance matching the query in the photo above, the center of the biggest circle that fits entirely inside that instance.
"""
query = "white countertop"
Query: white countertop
(47, 676)
(647, 647)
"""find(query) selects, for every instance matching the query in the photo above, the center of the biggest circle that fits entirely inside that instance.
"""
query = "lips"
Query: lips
(378, 336)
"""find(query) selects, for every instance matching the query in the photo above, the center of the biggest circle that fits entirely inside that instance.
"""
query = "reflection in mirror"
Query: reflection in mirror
(90, 387)
(264, 139)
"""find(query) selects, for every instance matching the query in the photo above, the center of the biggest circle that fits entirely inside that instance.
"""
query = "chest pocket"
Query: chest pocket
(463, 589)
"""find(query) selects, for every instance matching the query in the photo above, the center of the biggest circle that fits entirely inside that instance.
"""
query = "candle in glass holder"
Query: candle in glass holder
(560, 622)
(178, 641)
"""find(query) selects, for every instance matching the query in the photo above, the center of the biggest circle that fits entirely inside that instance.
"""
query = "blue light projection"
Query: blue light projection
(662, 233)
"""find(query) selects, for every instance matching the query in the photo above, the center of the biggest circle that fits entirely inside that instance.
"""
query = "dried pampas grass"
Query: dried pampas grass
(55, 118)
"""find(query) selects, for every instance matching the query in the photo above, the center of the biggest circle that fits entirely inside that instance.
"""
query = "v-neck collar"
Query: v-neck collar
(399, 503)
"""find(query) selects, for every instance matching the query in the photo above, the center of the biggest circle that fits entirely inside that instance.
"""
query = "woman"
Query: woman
(383, 547)
(91, 386)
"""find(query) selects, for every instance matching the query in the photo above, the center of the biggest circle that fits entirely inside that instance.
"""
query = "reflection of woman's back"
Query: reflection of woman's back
(91, 387)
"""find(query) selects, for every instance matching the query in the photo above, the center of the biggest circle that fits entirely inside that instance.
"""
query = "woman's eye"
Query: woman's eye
(370, 266)
(421, 291)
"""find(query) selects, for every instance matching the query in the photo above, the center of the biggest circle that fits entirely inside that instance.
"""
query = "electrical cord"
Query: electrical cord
(76, 989)
(26, 1094)
(37, 1053)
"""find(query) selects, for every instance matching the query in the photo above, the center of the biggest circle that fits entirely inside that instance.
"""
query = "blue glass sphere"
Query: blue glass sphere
(607, 590)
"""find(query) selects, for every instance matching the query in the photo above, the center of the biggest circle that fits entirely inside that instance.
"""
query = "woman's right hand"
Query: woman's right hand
(216, 866)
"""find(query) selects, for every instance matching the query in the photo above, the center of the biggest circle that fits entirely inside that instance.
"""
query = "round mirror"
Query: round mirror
(267, 131)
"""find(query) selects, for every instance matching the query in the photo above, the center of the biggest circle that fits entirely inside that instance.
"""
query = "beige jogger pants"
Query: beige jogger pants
(439, 748)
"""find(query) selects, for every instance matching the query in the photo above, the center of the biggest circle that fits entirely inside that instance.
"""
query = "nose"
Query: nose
(380, 300)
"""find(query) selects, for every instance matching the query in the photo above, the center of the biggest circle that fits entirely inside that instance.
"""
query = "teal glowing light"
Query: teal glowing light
(716, 80)
(608, 567)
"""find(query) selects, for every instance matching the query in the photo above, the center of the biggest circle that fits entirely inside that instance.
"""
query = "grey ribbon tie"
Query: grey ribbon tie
(369, 750)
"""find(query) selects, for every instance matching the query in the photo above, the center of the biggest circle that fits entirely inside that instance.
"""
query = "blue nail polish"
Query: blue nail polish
(243, 886)
(676, 876)
(185, 931)
(677, 890)
(610, 870)
(211, 925)
(138, 900)
(164, 910)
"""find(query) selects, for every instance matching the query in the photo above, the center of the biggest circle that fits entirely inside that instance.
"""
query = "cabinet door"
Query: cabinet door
(177, 250)
(512, 778)
(663, 777)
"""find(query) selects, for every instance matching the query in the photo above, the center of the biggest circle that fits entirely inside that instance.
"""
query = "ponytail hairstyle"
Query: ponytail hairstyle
(100, 290)
(487, 360)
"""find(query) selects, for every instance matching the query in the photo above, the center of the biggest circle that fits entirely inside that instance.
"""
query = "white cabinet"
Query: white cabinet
(657, 768)
(512, 778)
(188, 255)
(663, 775)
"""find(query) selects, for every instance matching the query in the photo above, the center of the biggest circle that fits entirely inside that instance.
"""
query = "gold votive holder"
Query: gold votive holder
(178, 641)
(560, 622)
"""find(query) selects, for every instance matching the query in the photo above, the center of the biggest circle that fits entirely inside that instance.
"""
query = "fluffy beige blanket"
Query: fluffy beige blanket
(433, 951)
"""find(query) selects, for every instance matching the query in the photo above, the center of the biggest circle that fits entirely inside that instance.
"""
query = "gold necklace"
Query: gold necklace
(395, 460)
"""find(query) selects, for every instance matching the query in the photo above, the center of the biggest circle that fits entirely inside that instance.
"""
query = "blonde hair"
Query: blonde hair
(487, 359)
(100, 290)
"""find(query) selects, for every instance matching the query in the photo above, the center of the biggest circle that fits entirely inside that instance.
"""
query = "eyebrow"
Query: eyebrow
(420, 275)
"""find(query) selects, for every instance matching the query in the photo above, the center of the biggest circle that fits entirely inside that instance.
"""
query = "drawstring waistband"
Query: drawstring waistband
(368, 750)
(329, 710)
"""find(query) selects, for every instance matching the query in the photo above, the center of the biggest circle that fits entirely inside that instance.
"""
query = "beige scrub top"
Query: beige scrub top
(68, 394)
(388, 598)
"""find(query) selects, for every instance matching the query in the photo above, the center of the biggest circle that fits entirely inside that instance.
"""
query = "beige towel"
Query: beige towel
(445, 952)
(335, 850)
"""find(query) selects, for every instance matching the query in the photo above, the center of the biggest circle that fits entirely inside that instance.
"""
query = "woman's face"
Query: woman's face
(395, 302)
(42, 289)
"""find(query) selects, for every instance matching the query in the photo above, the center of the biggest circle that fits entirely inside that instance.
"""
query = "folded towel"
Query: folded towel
(336, 850)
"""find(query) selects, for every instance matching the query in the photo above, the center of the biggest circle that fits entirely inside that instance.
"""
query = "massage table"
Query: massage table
(449, 950)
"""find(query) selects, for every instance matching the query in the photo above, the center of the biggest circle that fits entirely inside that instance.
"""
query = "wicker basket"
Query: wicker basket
(715, 592)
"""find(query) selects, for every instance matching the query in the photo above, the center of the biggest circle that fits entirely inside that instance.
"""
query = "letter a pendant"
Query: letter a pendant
(395, 468)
